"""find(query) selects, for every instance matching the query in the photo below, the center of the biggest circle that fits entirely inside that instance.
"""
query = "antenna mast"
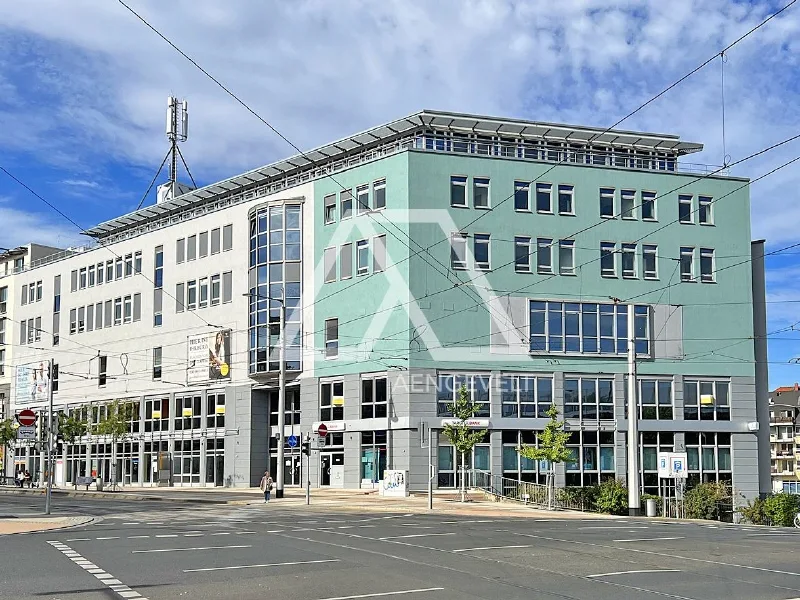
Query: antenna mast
(177, 131)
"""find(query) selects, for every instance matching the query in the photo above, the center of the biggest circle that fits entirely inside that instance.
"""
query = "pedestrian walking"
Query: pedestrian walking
(266, 486)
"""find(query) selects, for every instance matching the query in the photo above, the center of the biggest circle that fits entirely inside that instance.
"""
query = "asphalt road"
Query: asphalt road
(160, 550)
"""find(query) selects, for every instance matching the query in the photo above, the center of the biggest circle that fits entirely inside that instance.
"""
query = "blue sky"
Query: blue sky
(83, 88)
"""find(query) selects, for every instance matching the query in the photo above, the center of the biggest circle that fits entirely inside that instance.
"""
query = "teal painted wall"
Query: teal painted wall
(369, 307)
(716, 316)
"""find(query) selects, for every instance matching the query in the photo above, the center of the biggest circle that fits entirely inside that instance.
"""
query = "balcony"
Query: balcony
(781, 420)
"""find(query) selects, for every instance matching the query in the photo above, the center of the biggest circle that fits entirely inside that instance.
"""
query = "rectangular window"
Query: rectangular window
(589, 399)
(109, 271)
(478, 389)
(227, 237)
(128, 265)
(362, 257)
(345, 204)
(525, 396)
(118, 268)
(157, 363)
(191, 295)
(73, 281)
(118, 311)
(458, 191)
(202, 244)
(480, 192)
(480, 242)
(607, 203)
(566, 200)
(706, 400)
(522, 196)
(203, 287)
(37, 329)
(3, 300)
(458, 250)
(73, 321)
(331, 338)
(608, 263)
(102, 370)
(158, 269)
(215, 289)
(544, 255)
(100, 273)
(215, 241)
(331, 401)
(32, 293)
(158, 307)
(627, 199)
(629, 261)
(137, 307)
(566, 257)
(577, 327)
(544, 198)
(346, 261)
(137, 262)
(227, 287)
(684, 208)
(704, 214)
(379, 194)
(38, 291)
(379, 254)
(522, 254)
(330, 209)
(687, 264)
(180, 297)
(24, 297)
(648, 206)
(23, 330)
(128, 309)
(191, 247)
(82, 279)
(650, 261)
(90, 317)
(374, 398)
(108, 314)
(81, 319)
(362, 199)
(180, 250)
(706, 265)
(91, 276)
(3, 362)
(329, 259)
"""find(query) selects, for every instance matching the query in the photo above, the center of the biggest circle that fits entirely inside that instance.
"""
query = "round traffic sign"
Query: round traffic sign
(291, 441)
(322, 430)
(26, 417)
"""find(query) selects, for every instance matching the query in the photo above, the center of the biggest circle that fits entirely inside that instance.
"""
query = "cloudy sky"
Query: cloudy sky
(83, 87)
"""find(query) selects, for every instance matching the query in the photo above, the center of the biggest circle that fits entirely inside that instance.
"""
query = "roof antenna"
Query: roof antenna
(177, 132)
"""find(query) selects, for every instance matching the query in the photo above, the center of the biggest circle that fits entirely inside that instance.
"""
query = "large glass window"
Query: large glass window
(373, 455)
(215, 410)
(655, 399)
(522, 195)
(517, 467)
(592, 457)
(566, 200)
(650, 444)
(156, 414)
(449, 385)
(706, 400)
(607, 202)
(331, 401)
(522, 254)
(526, 396)
(480, 192)
(708, 457)
(589, 399)
(374, 398)
(577, 327)
(481, 252)
(458, 191)
(187, 412)
(544, 198)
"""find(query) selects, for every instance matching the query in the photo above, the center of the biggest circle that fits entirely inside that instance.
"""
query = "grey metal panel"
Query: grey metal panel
(667, 331)
(745, 462)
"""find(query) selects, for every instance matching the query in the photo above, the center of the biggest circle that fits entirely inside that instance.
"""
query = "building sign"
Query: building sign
(672, 465)
(330, 426)
(476, 423)
(209, 356)
(32, 383)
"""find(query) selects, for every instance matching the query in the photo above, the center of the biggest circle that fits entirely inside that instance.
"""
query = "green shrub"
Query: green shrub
(707, 501)
(755, 512)
(612, 497)
(584, 498)
(782, 508)
(658, 499)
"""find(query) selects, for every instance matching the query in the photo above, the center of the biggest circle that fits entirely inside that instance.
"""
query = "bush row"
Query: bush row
(775, 509)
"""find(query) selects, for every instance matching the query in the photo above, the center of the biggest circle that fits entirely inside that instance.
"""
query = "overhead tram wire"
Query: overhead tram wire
(427, 250)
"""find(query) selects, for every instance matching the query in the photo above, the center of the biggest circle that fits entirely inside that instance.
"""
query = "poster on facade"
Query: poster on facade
(209, 356)
(32, 383)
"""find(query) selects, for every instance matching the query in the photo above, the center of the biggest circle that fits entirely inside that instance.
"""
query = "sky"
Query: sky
(84, 84)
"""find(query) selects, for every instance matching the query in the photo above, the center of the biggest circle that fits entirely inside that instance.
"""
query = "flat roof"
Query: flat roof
(426, 119)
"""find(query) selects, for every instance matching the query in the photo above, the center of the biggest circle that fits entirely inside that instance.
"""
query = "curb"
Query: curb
(89, 521)
(120, 496)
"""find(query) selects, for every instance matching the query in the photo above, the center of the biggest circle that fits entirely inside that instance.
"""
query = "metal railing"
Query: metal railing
(527, 492)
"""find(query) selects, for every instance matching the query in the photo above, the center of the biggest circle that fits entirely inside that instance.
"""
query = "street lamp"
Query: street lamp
(281, 388)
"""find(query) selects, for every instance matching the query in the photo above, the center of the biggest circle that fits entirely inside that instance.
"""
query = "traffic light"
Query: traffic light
(306, 446)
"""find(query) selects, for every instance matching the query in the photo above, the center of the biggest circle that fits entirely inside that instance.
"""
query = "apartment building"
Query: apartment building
(784, 439)
(435, 251)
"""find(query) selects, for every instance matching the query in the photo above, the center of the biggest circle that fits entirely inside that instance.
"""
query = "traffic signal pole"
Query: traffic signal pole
(49, 463)
(306, 449)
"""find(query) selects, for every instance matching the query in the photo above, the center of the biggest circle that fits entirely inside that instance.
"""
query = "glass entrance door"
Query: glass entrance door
(325, 469)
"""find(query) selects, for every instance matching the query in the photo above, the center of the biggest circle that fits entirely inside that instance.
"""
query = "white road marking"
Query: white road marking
(649, 539)
(633, 572)
(80, 540)
(107, 579)
(612, 527)
(275, 531)
(221, 533)
(245, 532)
(186, 549)
(379, 594)
(113, 537)
(167, 535)
(138, 537)
(134, 523)
(415, 535)
(487, 548)
(285, 564)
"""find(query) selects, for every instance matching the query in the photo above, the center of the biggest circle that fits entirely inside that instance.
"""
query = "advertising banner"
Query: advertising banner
(32, 383)
(209, 356)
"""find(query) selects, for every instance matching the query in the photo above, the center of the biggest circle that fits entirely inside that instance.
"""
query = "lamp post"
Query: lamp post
(281, 389)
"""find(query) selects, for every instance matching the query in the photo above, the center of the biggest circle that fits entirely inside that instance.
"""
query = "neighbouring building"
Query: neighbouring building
(435, 251)
(784, 439)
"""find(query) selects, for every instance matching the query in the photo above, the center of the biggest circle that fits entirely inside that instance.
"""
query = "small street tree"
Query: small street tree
(116, 424)
(8, 434)
(552, 448)
(71, 428)
(461, 434)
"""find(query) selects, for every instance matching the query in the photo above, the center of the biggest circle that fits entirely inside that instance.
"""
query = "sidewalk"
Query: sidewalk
(31, 524)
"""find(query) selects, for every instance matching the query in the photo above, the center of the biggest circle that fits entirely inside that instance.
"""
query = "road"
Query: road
(160, 550)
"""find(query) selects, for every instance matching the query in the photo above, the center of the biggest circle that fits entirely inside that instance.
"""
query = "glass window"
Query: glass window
(706, 400)
(374, 398)
(481, 251)
(522, 254)
(687, 264)
(362, 198)
(706, 265)
(227, 236)
(608, 264)
(566, 257)
(362, 257)
(346, 261)
(215, 242)
(628, 204)
(544, 255)
(607, 202)
(329, 259)
(480, 192)
(566, 200)
(650, 261)
(202, 244)
(332, 400)
(544, 198)
(649, 206)
(458, 251)
(203, 287)
(458, 191)
(526, 396)
(330, 209)
(477, 386)
(191, 247)
(522, 195)
(331, 338)
(684, 208)
(345, 204)
(379, 194)
(629, 261)
(191, 295)
(704, 214)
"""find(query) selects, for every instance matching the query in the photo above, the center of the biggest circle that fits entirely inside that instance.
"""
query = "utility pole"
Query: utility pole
(634, 500)
(282, 399)
(430, 468)
(48, 496)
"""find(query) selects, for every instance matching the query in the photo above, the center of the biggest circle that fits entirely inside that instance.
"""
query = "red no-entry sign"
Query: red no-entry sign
(322, 430)
(26, 417)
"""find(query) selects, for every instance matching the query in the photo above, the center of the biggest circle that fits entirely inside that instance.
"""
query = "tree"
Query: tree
(552, 448)
(8, 434)
(116, 424)
(72, 427)
(461, 434)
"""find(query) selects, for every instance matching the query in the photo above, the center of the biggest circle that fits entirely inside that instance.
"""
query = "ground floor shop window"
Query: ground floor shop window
(156, 458)
(592, 458)
(215, 461)
(373, 455)
(186, 462)
(215, 410)
(516, 467)
(650, 444)
(127, 463)
(708, 457)
(101, 461)
(449, 462)
(76, 462)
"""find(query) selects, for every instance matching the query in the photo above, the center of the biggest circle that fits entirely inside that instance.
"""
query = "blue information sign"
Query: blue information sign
(291, 441)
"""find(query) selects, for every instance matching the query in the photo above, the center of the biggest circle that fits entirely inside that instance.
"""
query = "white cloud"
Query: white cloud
(80, 183)
(21, 227)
